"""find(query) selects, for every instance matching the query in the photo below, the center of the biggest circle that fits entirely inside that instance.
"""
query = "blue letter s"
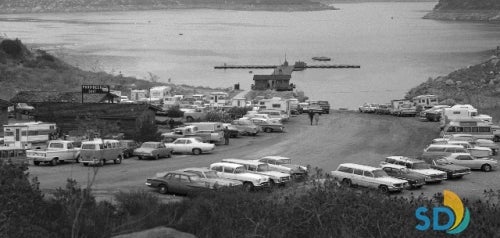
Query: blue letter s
(420, 215)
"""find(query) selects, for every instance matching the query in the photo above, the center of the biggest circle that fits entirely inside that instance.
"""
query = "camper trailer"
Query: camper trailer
(29, 135)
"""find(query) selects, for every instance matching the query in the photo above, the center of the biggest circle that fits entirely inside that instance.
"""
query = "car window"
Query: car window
(387, 169)
(217, 168)
(436, 149)
(184, 178)
(346, 169)
(368, 174)
(460, 150)
(228, 170)
(358, 171)
(188, 142)
(179, 142)
(263, 161)
(70, 146)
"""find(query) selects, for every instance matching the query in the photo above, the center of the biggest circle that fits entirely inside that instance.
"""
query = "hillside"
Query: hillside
(23, 69)
(478, 85)
(466, 10)
(30, 6)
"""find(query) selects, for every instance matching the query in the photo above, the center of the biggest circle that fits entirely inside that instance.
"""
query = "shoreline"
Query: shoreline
(465, 15)
(233, 7)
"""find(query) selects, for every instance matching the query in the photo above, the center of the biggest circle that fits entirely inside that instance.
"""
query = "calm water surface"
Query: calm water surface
(396, 49)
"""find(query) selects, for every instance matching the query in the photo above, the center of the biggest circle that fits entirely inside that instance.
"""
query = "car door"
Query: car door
(179, 145)
(467, 161)
(369, 179)
(173, 183)
(229, 173)
(162, 150)
(188, 147)
(357, 178)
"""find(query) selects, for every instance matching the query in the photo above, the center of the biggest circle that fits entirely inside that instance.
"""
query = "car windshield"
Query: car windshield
(404, 171)
(148, 145)
(239, 170)
(421, 166)
(211, 174)
(284, 161)
(263, 167)
(443, 161)
(245, 123)
(88, 146)
(379, 173)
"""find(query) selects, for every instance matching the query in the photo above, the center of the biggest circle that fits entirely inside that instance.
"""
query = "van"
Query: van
(98, 152)
(440, 150)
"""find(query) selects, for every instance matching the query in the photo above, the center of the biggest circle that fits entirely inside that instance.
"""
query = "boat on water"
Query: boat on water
(321, 58)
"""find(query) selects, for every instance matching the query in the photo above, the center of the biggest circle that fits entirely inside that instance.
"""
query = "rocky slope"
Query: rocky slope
(478, 85)
(31, 6)
(23, 69)
(466, 10)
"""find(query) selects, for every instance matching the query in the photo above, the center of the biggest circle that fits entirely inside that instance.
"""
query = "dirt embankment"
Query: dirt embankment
(340, 137)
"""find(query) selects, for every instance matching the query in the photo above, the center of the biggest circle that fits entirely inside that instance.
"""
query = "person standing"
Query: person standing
(316, 118)
(311, 115)
(226, 135)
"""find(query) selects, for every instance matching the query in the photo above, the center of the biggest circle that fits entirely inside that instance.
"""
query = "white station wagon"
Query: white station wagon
(367, 176)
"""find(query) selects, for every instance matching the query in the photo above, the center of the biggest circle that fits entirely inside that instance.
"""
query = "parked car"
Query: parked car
(452, 170)
(250, 181)
(434, 113)
(415, 180)
(128, 147)
(267, 125)
(418, 166)
(464, 159)
(234, 132)
(246, 127)
(264, 116)
(190, 145)
(474, 150)
(154, 150)
(440, 150)
(179, 182)
(488, 144)
(368, 107)
(383, 109)
(275, 115)
(366, 176)
(252, 166)
(212, 177)
(325, 106)
(58, 151)
(284, 164)
(99, 152)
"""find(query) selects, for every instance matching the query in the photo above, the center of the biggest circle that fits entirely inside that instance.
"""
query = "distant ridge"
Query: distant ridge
(466, 10)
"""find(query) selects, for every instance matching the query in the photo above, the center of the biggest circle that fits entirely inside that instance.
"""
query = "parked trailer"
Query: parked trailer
(28, 135)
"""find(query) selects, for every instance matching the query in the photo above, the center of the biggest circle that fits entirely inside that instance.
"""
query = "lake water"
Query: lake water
(396, 49)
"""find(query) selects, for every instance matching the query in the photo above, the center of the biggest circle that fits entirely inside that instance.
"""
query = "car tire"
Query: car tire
(347, 182)
(383, 189)
(118, 160)
(157, 157)
(77, 160)
(248, 187)
(53, 162)
(37, 163)
(102, 162)
(169, 154)
(163, 189)
(196, 151)
(85, 164)
(139, 157)
(486, 168)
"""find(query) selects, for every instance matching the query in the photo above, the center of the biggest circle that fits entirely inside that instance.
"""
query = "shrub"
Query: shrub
(12, 47)
(175, 111)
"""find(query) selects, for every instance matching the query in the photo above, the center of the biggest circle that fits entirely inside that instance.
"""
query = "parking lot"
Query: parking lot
(340, 137)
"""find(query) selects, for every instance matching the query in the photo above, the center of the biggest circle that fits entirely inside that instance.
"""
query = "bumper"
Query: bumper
(435, 179)
(417, 184)
(39, 158)
(457, 175)
(144, 155)
(263, 185)
(91, 162)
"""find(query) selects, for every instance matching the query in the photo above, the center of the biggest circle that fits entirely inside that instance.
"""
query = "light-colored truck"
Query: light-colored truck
(58, 151)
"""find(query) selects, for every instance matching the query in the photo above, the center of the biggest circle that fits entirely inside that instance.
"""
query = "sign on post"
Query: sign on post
(94, 89)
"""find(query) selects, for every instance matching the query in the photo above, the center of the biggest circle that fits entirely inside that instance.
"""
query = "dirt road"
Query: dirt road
(339, 137)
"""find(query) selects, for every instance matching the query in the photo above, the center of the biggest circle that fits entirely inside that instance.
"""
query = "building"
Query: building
(35, 97)
(279, 80)
(4, 113)
(159, 93)
(218, 98)
(238, 102)
(138, 95)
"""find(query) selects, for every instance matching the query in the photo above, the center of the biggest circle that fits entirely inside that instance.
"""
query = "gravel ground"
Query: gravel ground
(340, 137)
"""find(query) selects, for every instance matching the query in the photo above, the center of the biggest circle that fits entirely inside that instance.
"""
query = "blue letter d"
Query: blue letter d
(435, 218)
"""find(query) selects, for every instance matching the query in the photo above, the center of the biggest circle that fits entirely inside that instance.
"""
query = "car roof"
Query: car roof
(242, 161)
(461, 135)
(204, 169)
(444, 145)
(404, 158)
(226, 164)
(182, 172)
(274, 157)
(395, 166)
(458, 154)
(359, 166)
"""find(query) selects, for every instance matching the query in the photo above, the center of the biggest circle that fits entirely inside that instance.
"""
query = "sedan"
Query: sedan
(267, 125)
(190, 145)
(179, 182)
(465, 159)
(153, 150)
(211, 176)
(415, 180)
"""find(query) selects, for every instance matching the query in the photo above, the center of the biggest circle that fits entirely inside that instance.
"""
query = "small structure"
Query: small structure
(276, 103)
(425, 101)
(238, 102)
(159, 93)
(4, 113)
(138, 95)
(28, 135)
(218, 98)
(279, 80)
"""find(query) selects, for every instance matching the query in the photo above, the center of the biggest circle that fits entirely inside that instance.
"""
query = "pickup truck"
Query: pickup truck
(195, 114)
(58, 151)
(193, 131)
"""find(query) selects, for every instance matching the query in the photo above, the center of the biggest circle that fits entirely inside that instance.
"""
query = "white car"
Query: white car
(488, 144)
(252, 166)
(284, 164)
(418, 166)
(190, 145)
(367, 176)
(238, 172)
(464, 159)
(368, 107)
(264, 116)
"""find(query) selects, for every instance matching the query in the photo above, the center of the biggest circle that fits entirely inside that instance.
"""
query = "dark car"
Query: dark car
(325, 106)
(452, 170)
(128, 147)
(383, 109)
(233, 130)
(415, 180)
(179, 182)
